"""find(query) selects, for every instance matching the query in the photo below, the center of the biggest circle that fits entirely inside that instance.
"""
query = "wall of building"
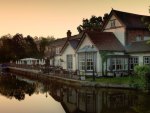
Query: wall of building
(68, 51)
(140, 56)
(133, 33)
(118, 30)
(117, 23)
(87, 42)
(57, 60)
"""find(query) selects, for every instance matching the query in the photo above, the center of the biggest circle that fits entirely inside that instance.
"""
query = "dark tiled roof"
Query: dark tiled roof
(131, 20)
(105, 41)
(62, 41)
(59, 42)
(138, 47)
(74, 42)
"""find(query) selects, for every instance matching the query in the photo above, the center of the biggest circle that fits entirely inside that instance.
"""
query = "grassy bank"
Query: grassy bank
(133, 81)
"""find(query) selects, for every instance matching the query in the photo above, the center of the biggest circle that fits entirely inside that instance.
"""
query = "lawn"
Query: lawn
(133, 81)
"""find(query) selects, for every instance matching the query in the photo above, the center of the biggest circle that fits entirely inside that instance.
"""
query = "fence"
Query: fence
(49, 70)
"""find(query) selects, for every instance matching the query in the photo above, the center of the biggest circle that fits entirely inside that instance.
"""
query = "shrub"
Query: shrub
(141, 70)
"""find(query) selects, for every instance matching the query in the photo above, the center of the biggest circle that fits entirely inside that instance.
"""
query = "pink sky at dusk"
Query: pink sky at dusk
(55, 17)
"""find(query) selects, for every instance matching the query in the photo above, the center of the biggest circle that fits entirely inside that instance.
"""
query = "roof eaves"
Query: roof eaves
(82, 38)
(63, 48)
(110, 15)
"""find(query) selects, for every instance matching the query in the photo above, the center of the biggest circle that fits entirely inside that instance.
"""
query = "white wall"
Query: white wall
(57, 61)
(87, 42)
(99, 63)
(68, 51)
(118, 30)
(140, 56)
(117, 23)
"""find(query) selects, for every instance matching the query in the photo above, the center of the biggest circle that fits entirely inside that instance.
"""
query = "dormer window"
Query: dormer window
(112, 22)
(57, 50)
(138, 38)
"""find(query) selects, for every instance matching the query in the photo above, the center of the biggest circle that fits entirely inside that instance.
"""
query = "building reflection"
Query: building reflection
(77, 99)
(91, 100)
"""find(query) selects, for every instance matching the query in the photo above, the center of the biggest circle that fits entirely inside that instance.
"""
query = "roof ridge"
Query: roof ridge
(129, 13)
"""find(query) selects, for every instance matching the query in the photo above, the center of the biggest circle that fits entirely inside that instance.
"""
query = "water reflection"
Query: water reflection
(11, 86)
(77, 99)
(91, 100)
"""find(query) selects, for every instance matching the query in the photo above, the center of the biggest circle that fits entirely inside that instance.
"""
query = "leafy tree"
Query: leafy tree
(105, 18)
(19, 45)
(93, 24)
(6, 52)
(31, 47)
(44, 43)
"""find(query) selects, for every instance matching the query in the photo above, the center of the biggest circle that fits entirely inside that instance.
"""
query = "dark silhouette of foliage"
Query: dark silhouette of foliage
(15, 88)
(93, 24)
(44, 43)
(17, 47)
(31, 47)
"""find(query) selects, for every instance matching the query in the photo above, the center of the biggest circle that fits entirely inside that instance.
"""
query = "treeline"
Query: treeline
(17, 47)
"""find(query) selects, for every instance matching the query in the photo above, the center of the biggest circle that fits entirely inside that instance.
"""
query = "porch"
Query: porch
(117, 65)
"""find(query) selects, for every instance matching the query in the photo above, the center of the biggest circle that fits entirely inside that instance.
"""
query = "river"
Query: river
(23, 95)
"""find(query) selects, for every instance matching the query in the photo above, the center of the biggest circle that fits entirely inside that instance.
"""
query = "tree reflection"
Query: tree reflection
(11, 87)
(78, 99)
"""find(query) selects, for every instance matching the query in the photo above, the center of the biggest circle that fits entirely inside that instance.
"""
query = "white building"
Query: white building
(114, 51)
(31, 61)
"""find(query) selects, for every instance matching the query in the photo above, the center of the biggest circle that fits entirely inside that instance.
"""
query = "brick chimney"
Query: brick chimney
(68, 33)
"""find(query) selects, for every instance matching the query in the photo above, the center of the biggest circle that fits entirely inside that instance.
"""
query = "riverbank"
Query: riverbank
(72, 82)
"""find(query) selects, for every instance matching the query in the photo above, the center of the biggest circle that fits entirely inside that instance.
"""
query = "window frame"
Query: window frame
(148, 60)
(118, 64)
(113, 23)
(138, 38)
(57, 50)
(69, 62)
(133, 61)
(87, 61)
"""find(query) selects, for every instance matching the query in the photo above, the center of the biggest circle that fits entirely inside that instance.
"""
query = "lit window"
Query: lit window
(146, 60)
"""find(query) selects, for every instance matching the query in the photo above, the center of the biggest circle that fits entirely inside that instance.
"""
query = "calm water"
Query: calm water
(21, 95)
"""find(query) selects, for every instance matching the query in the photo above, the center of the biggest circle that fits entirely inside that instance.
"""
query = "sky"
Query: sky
(55, 17)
